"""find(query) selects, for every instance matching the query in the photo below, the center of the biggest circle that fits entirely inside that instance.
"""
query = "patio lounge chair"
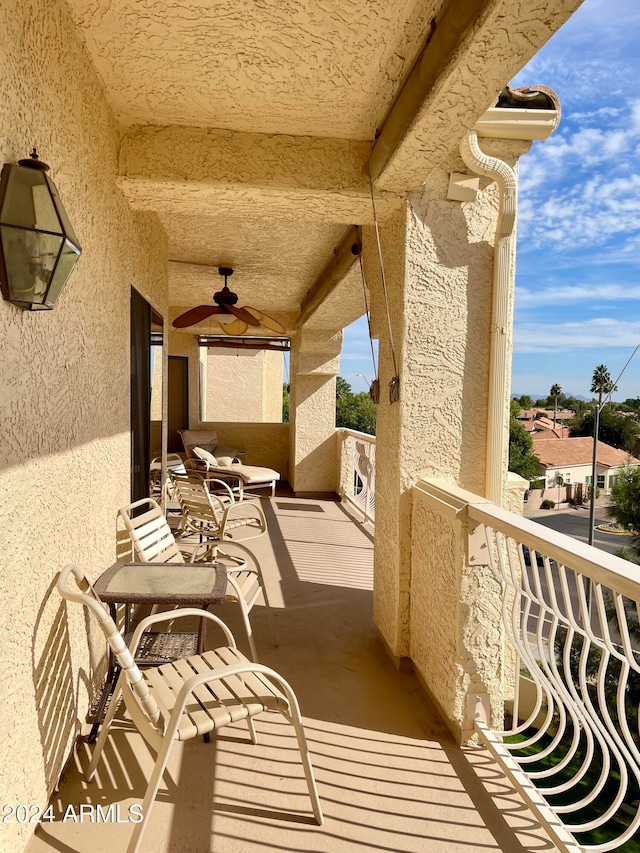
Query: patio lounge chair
(214, 460)
(181, 700)
(154, 542)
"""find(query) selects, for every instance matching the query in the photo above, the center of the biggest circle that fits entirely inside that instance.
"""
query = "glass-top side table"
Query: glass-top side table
(169, 584)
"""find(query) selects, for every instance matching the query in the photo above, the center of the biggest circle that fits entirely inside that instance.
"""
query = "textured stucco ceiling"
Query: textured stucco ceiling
(248, 123)
(301, 67)
(274, 265)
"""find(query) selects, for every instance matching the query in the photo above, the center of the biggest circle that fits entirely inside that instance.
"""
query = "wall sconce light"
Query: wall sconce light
(38, 248)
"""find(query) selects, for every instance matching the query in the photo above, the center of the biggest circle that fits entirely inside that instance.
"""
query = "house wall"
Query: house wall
(262, 444)
(65, 452)
(580, 473)
(242, 385)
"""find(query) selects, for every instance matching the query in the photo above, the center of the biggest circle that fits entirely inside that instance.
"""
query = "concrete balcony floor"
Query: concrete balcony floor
(390, 776)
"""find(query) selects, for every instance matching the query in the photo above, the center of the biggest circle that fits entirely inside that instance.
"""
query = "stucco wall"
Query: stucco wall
(438, 257)
(456, 638)
(263, 444)
(272, 393)
(314, 365)
(64, 456)
(242, 385)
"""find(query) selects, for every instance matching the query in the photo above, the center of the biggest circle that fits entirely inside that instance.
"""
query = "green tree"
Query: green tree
(526, 402)
(625, 508)
(575, 405)
(616, 430)
(554, 393)
(354, 411)
(285, 403)
(601, 383)
(522, 459)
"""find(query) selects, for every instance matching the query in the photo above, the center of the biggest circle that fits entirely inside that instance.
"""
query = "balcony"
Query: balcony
(390, 775)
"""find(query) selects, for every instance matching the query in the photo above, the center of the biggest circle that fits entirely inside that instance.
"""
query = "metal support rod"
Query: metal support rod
(596, 428)
(594, 474)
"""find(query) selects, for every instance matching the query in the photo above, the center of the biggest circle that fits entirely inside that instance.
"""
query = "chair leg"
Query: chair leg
(247, 624)
(252, 730)
(150, 795)
(104, 729)
(268, 606)
(306, 763)
(244, 609)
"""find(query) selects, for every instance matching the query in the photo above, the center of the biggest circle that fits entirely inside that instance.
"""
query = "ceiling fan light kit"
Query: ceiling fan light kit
(231, 319)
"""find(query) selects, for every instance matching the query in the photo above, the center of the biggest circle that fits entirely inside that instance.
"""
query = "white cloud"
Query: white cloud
(576, 293)
(588, 334)
(582, 215)
(594, 115)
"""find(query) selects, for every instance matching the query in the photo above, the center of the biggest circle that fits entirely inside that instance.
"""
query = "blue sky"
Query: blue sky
(578, 263)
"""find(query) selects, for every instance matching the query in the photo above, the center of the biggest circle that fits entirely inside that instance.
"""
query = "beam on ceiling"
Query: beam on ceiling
(448, 30)
(197, 172)
(260, 343)
(344, 256)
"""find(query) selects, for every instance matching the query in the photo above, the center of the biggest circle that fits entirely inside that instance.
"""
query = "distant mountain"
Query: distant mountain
(544, 396)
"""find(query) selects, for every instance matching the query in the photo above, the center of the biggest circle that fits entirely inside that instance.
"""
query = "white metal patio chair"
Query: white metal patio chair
(153, 542)
(215, 515)
(194, 696)
(157, 489)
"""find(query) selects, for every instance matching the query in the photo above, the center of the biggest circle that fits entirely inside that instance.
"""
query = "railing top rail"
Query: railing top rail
(363, 435)
(600, 566)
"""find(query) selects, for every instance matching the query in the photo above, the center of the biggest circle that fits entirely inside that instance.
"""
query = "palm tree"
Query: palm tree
(601, 383)
(555, 392)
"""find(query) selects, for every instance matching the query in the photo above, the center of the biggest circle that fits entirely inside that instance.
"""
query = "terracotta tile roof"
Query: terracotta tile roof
(528, 98)
(579, 451)
(544, 434)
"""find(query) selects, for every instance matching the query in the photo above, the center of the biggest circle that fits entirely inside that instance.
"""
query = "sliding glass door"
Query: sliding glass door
(146, 392)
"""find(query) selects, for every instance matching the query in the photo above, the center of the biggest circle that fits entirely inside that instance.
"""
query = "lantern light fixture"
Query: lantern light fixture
(38, 247)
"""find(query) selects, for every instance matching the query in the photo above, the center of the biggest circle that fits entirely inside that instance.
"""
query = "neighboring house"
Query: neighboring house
(570, 461)
(543, 419)
(549, 433)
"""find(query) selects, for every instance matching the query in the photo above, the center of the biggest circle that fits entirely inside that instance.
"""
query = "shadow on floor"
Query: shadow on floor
(389, 775)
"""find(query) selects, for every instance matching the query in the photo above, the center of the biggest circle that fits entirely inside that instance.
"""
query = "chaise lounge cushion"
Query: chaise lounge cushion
(249, 474)
(226, 455)
(205, 455)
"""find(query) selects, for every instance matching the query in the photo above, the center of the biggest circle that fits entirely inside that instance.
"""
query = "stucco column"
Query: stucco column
(438, 258)
(315, 363)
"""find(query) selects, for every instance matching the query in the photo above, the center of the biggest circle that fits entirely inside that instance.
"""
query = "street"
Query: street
(574, 521)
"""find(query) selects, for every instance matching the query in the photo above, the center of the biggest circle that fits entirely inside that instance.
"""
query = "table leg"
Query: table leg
(107, 691)
(109, 686)
(202, 635)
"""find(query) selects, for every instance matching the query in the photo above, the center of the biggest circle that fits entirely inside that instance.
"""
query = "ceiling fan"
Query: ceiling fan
(232, 320)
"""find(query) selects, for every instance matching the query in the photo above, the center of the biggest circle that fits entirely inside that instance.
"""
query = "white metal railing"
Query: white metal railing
(571, 614)
(358, 470)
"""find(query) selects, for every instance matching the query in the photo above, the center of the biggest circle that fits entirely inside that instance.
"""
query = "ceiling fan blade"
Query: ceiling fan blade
(265, 320)
(237, 327)
(243, 315)
(195, 315)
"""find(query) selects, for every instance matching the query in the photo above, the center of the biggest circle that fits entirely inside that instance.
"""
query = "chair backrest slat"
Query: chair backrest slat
(198, 507)
(152, 538)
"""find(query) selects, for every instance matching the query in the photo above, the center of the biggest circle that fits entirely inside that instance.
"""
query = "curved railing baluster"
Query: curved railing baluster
(568, 621)
(360, 451)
